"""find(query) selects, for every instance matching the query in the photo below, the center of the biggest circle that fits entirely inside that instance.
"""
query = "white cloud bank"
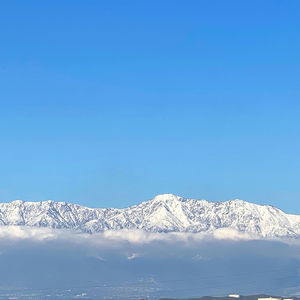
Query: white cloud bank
(18, 233)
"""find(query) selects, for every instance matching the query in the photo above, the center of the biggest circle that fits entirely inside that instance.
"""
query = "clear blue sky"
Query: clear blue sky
(107, 103)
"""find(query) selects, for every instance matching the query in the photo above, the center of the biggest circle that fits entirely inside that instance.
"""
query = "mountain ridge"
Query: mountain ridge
(163, 213)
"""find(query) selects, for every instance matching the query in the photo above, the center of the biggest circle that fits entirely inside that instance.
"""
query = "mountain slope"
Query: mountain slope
(164, 213)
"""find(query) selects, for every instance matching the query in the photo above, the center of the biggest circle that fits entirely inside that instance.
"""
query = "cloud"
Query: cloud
(25, 232)
(133, 256)
(114, 238)
(232, 234)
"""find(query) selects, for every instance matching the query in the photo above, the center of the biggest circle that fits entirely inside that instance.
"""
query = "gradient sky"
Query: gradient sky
(108, 103)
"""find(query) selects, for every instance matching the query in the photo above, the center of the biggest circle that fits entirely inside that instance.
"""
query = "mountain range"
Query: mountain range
(164, 213)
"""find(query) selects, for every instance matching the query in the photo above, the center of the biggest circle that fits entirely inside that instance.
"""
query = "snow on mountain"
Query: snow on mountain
(164, 213)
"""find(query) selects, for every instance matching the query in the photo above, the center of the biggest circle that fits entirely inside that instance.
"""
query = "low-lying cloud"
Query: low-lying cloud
(132, 236)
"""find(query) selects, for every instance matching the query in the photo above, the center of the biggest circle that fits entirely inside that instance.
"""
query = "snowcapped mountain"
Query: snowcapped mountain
(164, 213)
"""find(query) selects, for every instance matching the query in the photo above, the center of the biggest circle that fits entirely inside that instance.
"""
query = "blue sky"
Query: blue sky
(108, 103)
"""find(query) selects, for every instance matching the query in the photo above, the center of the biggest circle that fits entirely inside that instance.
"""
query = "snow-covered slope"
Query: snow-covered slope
(164, 213)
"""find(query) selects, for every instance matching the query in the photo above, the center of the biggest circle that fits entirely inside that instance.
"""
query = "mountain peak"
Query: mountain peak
(166, 197)
(17, 202)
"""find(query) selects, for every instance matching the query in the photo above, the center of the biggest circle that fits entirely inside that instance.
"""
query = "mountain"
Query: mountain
(164, 213)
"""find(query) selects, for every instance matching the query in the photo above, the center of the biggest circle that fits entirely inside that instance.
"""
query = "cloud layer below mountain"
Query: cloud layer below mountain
(17, 233)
